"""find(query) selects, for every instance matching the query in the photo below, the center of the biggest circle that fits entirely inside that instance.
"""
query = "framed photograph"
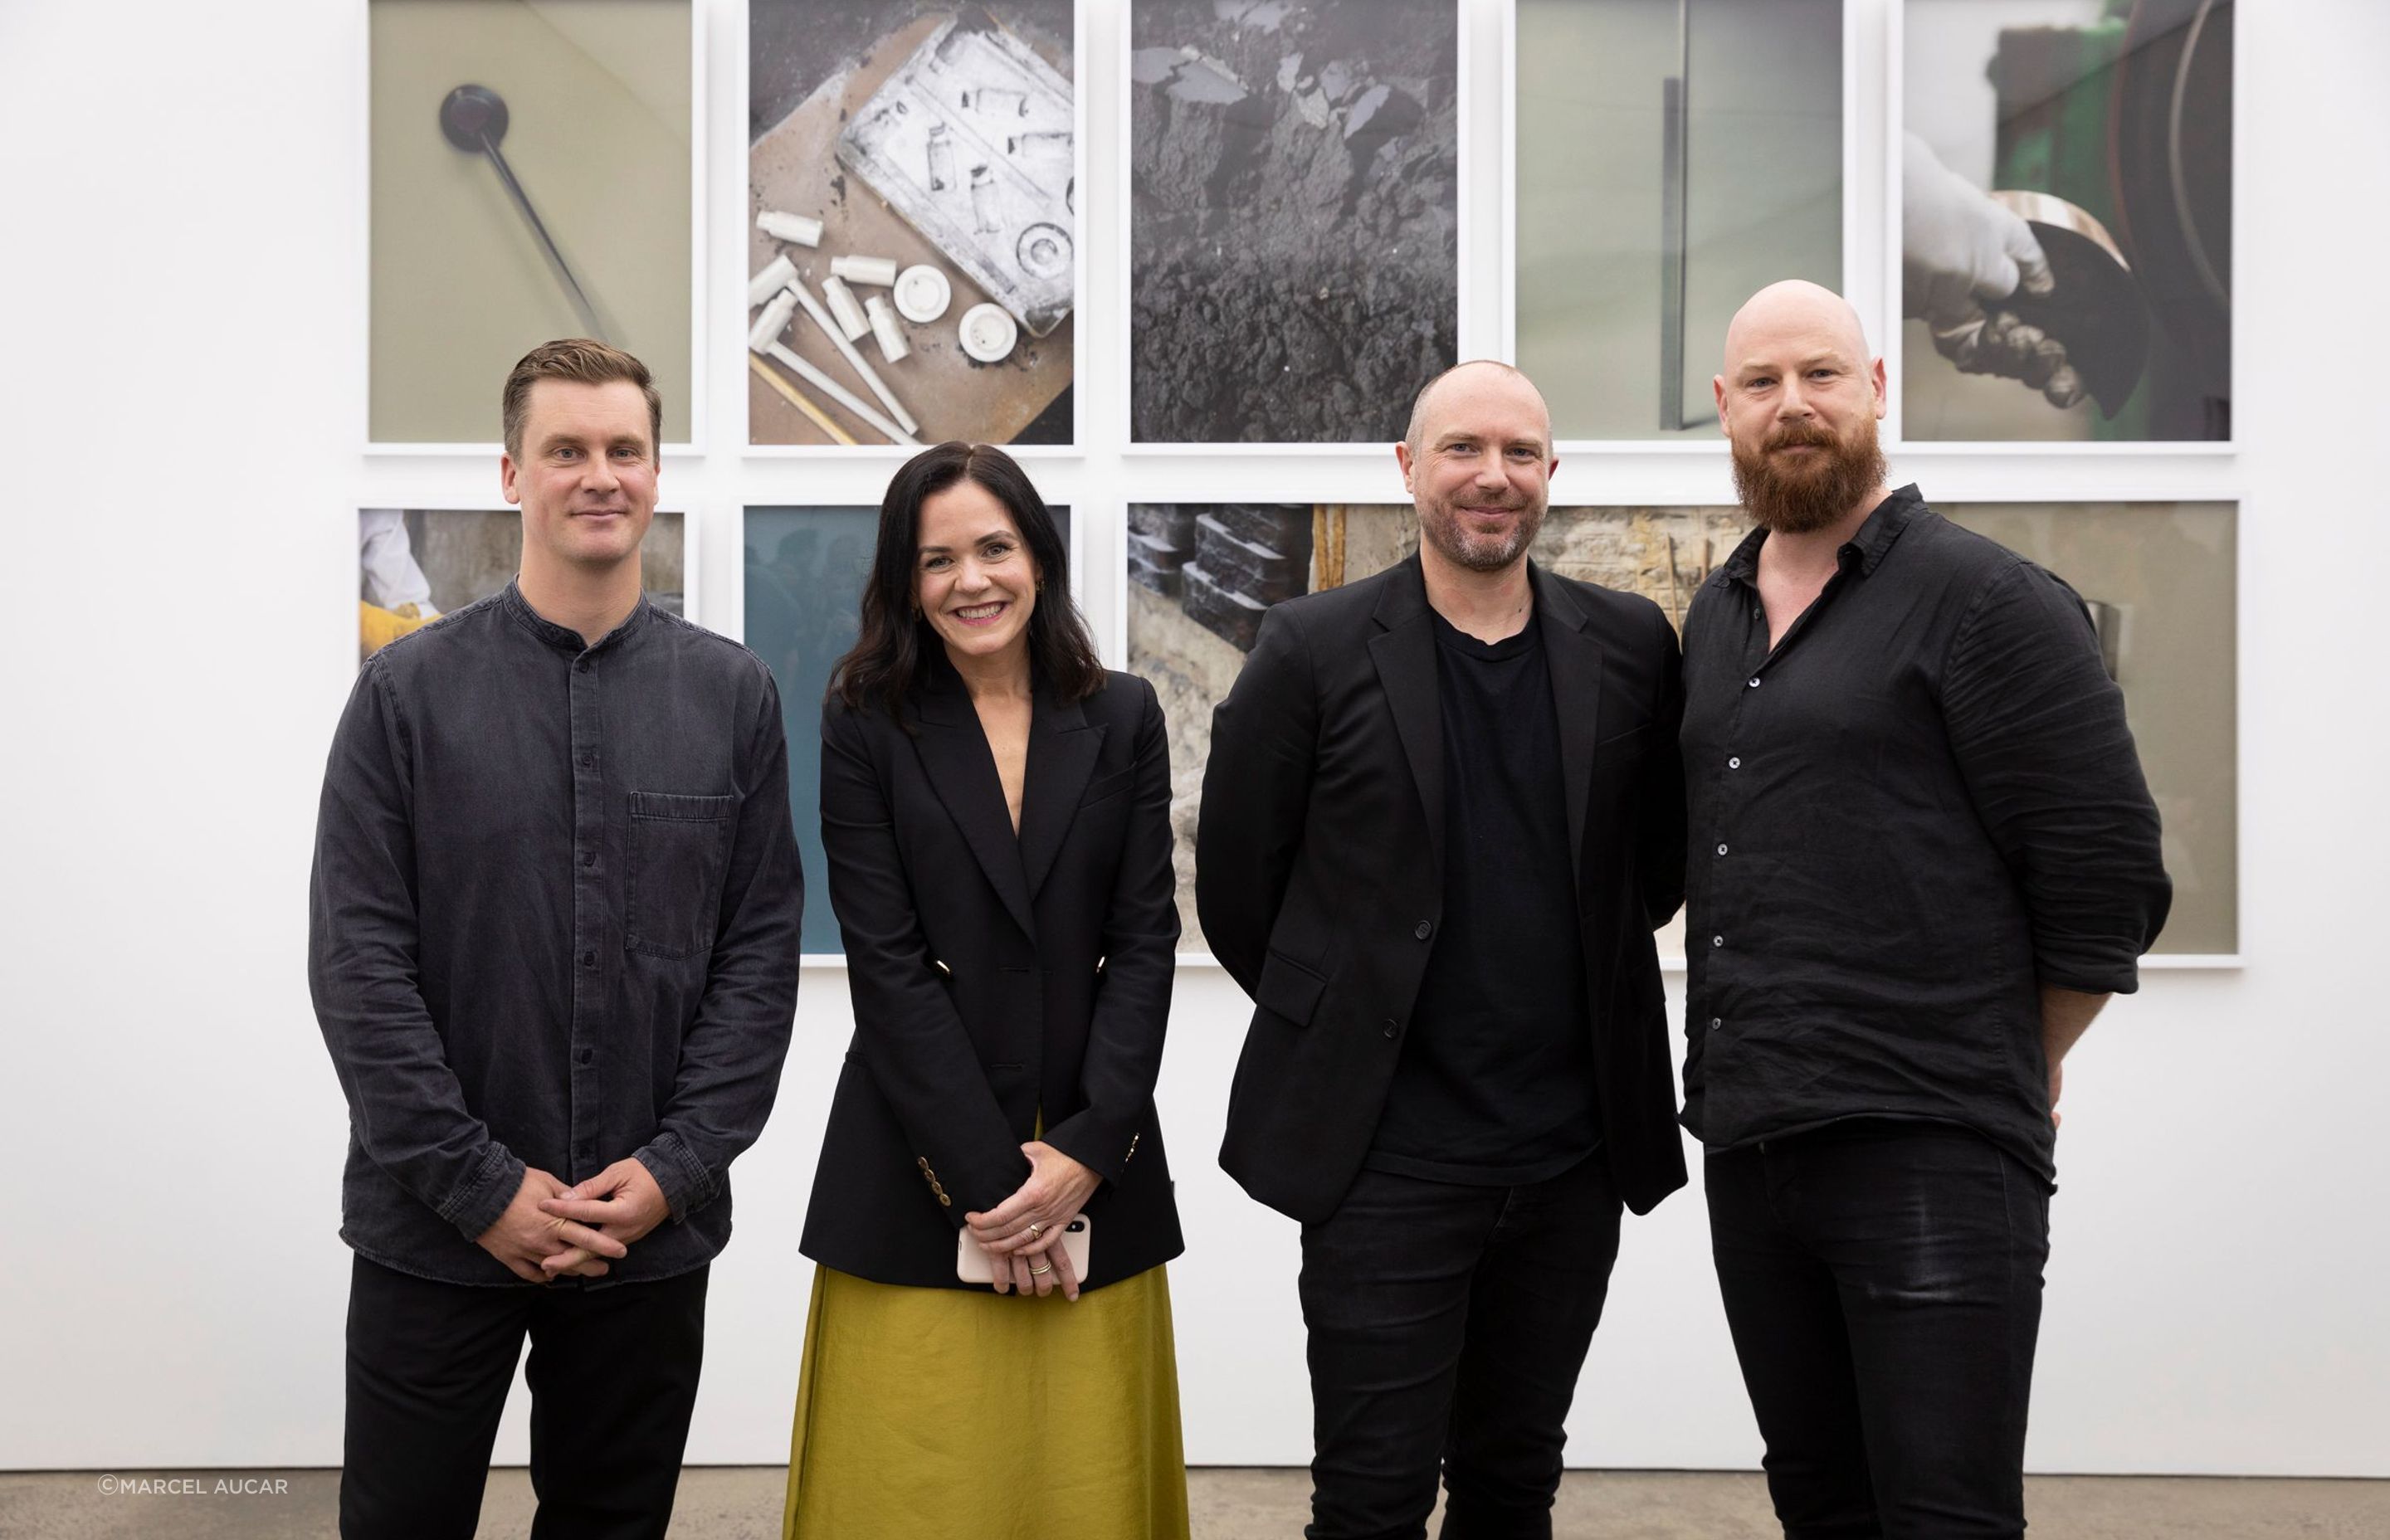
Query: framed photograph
(1724, 136)
(913, 234)
(1292, 218)
(414, 565)
(533, 168)
(2063, 174)
(2161, 580)
(1201, 576)
(805, 569)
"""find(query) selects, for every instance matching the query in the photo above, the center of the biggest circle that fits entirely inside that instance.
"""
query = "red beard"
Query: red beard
(1810, 492)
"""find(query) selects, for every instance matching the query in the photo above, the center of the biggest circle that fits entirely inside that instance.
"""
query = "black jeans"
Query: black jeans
(1450, 1322)
(1883, 1281)
(612, 1375)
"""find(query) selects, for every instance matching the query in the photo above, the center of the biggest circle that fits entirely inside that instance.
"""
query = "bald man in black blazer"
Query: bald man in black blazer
(1443, 815)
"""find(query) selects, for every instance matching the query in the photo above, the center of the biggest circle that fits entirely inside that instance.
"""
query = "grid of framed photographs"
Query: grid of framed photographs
(1200, 313)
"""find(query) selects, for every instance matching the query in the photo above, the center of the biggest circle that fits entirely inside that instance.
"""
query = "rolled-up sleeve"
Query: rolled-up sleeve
(2039, 733)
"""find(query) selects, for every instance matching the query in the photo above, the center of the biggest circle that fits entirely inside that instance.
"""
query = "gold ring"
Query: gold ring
(1036, 1229)
(1041, 1272)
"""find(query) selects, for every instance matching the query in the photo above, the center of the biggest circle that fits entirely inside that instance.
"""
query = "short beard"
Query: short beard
(1817, 493)
(1479, 553)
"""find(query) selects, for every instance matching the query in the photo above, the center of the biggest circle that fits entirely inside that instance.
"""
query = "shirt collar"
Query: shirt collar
(564, 639)
(1895, 513)
(1864, 550)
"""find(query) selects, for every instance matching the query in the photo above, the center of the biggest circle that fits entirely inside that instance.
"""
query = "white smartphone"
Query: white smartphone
(972, 1263)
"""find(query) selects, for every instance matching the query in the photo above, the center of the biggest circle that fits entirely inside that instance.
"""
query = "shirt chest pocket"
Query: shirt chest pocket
(679, 847)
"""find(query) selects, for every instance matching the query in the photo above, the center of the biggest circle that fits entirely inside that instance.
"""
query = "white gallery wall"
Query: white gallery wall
(182, 303)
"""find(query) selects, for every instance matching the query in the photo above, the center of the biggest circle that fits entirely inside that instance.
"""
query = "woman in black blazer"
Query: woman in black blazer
(996, 812)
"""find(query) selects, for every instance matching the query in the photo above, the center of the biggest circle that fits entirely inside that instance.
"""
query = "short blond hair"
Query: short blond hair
(585, 362)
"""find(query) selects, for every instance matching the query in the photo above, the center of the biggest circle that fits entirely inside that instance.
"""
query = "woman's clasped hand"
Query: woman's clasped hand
(1022, 1235)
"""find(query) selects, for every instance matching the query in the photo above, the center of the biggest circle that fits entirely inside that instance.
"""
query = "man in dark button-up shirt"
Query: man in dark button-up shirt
(1922, 856)
(553, 948)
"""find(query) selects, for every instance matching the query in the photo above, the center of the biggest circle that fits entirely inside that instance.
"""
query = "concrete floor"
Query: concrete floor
(744, 1503)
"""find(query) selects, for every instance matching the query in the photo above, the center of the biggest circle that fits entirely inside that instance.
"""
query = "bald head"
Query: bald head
(1795, 309)
(1799, 400)
(1463, 378)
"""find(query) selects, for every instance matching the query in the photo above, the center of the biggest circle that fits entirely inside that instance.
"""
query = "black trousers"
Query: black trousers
(612, 1375)
(1448, 1323)
(1883, 1281)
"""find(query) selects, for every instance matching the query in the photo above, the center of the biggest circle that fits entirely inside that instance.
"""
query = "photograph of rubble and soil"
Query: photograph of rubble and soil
(1293, 189)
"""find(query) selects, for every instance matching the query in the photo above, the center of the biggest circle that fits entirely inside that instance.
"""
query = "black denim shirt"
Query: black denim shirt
(553, 920)
(1921, 807)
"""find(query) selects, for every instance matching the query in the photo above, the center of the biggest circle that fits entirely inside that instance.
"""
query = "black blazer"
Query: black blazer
(1320, 868)
(993, 977)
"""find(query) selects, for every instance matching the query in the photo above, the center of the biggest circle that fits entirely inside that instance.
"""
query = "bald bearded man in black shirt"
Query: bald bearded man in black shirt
(1442, 815)
(1924, 856)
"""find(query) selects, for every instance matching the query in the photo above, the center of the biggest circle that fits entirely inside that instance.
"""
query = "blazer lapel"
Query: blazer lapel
(1062, 749)
(1404, 652)
(956, 757)
(1575, 660)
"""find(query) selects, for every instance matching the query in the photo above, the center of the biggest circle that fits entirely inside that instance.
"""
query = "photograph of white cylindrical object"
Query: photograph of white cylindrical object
(774, 321)
(841, 304)
(884, 329)
(796, 229)
(988, 333)
(777, 275)
(855, 360)
(878, 272)
(838, 393)
(922, 294)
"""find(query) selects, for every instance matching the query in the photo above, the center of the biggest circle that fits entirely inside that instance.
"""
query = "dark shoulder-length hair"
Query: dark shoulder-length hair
(895, 649)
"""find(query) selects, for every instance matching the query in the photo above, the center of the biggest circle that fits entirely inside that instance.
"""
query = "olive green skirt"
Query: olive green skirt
(928, 1413)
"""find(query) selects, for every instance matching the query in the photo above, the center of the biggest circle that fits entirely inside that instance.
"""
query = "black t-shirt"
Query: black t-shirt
(1495, 1084)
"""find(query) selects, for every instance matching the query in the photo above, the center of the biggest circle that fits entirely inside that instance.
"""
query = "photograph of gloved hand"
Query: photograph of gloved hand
(1962, 251)
(2066, 197)
(395, 597)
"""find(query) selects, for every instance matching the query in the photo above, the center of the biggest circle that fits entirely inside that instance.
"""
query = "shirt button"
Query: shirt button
(588, 857)
(1717, 1021)
(1735, 764)
(1721, 850)
(586, 1152)
(1392, 1028)
(1754, 681)
(588, 959)
(1717, 941)
(580, 667)
(588, 760)
(587, 1055)
(1423, 930)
